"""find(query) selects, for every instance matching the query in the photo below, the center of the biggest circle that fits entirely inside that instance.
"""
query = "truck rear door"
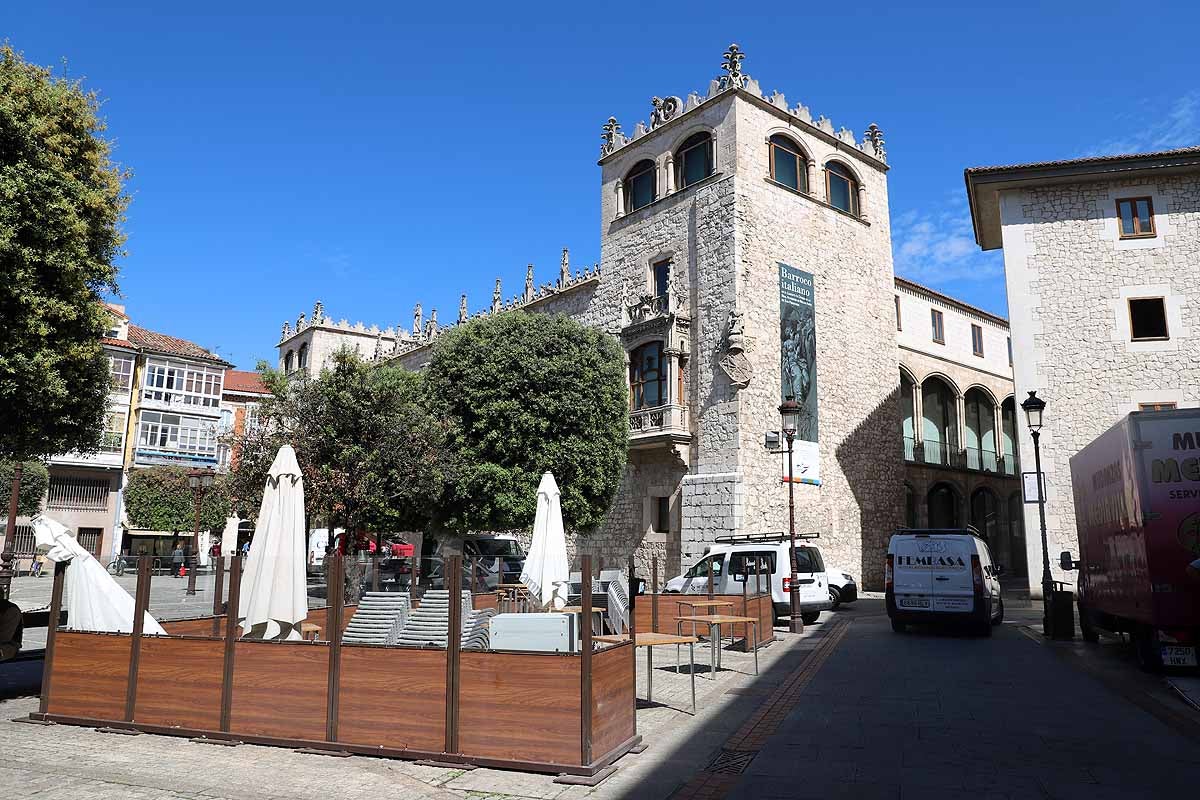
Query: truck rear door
(949, 561)
(912, 582)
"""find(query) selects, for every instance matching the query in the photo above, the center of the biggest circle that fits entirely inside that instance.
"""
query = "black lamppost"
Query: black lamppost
(790, 411)
(1034, 406)
(200, 480)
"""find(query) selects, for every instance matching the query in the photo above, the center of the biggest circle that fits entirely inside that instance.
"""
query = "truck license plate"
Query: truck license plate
(914, 602)
(1178, 656)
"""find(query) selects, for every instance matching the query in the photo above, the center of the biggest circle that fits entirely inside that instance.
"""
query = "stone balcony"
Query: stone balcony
(660, 425)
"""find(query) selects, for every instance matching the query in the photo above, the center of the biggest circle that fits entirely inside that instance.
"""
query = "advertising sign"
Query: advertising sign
(798, 354)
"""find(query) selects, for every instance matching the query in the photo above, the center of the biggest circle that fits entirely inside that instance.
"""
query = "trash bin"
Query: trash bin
(1062, 614)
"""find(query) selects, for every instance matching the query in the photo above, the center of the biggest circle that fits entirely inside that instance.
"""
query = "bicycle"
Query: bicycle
(117, 566)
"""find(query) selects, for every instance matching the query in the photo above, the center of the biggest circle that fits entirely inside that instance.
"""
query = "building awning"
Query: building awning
(147, 532)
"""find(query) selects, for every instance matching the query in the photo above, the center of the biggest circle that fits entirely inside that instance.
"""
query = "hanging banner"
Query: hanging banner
(798, 349)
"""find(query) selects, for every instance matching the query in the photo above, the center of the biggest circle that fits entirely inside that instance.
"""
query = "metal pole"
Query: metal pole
(796, 625)
(585, 675)
(1047, 580)
(198, 494)
(218, 590)
(10, 527)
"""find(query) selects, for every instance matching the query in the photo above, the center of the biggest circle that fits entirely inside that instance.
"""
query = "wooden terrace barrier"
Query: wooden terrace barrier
(546, 712)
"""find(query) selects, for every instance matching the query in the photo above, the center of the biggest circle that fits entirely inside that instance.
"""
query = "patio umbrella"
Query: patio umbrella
(93, 599)
(274, 591)
(546, 569)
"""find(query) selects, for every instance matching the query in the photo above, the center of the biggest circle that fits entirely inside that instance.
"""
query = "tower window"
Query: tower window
(939, 326)
(788, 165)
(1147, 319)
(662, 279)
(694, 161)
(1136, 217)
(977, 340)
(647, 378)
(288, 361)
(841, 187)
(302, 358)
(639, 185)
(899, 327)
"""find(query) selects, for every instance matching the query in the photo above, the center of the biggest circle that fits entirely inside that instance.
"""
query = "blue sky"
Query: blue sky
(373, 156)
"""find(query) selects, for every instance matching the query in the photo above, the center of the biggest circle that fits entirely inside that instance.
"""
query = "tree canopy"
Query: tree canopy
(35, 479)
(529, 393)
(61, 205)
(372, 455)
(160, 499)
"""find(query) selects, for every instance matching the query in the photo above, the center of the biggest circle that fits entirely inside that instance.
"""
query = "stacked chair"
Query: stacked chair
(379, 618)
(429, 624)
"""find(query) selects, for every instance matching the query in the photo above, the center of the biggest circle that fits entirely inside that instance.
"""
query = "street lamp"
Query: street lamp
(201, 480)
(790, 412)
(1033, 407)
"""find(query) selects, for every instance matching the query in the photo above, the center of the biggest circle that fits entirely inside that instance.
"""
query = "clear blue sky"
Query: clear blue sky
(373, 156)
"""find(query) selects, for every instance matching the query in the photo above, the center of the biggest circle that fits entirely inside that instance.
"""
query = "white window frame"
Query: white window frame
(188, 384)
(121, 378)
(113, 438)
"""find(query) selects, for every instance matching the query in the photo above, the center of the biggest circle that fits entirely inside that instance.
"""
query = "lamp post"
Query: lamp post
(200, 480)
(1033, 407)
(790, 412)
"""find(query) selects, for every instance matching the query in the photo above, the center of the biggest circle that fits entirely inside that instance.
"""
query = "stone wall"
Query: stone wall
(1069, 280)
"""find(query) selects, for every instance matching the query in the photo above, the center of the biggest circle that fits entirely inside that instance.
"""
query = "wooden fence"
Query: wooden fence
(563, 713)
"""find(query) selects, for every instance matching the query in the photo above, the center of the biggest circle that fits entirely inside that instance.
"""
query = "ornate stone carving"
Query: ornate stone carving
(462, 309)
(318, 313)
(417, 315)
(431, 327)
(497, 298)
(825, 124)
(611, 138)
(378, 346)
(528, 283)
(733, 361)
(640, 129)
(564, 269)
(778, 100)
(665, 110)
(847, 136)
(874, 139)
(733, 68)
(286, 332)
(693, 101)
(300, 322)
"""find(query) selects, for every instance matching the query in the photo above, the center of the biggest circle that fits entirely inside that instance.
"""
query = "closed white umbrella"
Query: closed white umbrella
(274, 591)
(94, 601)
(547, 570)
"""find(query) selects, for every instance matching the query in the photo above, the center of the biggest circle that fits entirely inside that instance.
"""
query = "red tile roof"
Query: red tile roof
(161, 343)
(239, 381)
(125, 344)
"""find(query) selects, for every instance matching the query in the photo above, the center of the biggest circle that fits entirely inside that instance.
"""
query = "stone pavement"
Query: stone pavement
(82, 764)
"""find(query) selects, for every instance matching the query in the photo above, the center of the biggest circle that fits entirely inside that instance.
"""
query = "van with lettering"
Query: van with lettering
(1137, 511)
(942, 576)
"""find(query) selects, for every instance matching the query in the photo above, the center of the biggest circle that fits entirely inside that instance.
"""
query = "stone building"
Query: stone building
(1102, 264)
(745, 256)
(959, 419)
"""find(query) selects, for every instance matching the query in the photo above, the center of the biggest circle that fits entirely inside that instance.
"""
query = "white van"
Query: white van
(733, 560)
(942, 576)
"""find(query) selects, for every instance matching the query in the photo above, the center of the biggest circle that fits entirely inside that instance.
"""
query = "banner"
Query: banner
(798, 350)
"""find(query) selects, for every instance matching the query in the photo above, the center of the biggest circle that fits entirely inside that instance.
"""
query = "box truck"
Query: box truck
(1137, 509)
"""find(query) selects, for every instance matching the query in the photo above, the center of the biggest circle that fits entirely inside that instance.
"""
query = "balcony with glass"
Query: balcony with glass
(656, 414)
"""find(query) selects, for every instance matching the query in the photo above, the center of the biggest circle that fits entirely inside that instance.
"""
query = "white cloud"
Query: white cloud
(1178, 127)
(937, 247)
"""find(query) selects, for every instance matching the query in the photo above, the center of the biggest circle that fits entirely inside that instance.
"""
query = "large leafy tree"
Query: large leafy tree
(35, 479)
(61, 205)
(530, 393)
(161, 499)
(372, 455)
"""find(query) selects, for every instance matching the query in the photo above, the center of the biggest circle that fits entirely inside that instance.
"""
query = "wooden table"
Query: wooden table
(650, 640)
(310, 630)
(715, 621)
(708, 605)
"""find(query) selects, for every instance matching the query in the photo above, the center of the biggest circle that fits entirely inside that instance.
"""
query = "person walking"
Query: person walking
(246, 549)
(39, 564)
(177, 561)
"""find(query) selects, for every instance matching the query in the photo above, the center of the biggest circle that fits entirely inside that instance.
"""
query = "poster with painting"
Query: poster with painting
(798, 354)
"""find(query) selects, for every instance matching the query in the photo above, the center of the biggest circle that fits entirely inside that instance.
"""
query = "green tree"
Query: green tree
(61, 205)
(35, 479)
(372, 456)
(160, 499)
(530, 393)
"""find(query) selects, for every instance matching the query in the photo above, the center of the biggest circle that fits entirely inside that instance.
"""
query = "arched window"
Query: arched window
(303, 359)
(841, 187)
(647, 377)
(639, 186)
(942, 506)
(287, 361)
(788, 165)
(694, 159)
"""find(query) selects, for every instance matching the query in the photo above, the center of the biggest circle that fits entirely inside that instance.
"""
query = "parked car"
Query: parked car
(1136, 510)
(942, 575)
(495, 558)
(842, 587)
(733, 560)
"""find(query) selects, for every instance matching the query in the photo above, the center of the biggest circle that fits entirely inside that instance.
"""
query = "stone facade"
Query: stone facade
(1070, 276)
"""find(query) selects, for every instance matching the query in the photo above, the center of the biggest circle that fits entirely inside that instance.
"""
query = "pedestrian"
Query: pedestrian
(177, 561)
(39, 564)
(246, 548)
(215, 550)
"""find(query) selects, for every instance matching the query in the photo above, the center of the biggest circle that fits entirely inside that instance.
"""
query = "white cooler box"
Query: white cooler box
(545, 633)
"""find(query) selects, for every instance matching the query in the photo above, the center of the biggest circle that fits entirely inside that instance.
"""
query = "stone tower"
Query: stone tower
(746, 256)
